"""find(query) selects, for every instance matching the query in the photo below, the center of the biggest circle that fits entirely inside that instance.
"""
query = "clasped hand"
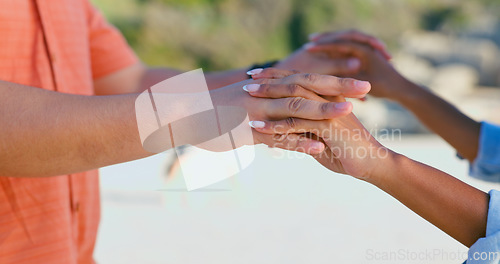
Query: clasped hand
(288, 110)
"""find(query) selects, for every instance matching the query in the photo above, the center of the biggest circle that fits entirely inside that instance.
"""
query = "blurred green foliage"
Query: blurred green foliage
(222, 34)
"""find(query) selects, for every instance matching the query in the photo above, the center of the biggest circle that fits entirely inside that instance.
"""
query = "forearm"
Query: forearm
(456, 208)
(447, 121)
(138, 77)
(214, 80)
(223, 78)
(46, 133)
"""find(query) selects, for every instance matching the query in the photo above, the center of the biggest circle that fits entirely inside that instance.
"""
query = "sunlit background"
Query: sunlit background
(290, 209)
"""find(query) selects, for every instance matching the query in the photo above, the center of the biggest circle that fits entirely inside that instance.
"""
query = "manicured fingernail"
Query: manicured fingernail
(362, 85)
(309, 45)
(317, 147)
(353, 63)
(251, 87)
(342, 106)
(313, 36)
(257, 124)
(255, 71)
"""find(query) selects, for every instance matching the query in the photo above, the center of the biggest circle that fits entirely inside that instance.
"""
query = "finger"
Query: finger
(346, 67)
(307, 109)
(271, 73)
(334, 50)
(345, 48)
(368, 40)
(292, 126)
(329, 85)
(294, 142)
(334, 98)
(357, 50)
(352, 35)
(276, 91)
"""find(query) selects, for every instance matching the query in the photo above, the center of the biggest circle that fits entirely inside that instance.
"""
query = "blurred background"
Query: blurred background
(450, 46)
(291, 210)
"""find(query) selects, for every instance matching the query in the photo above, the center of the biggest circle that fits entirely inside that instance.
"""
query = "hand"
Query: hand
(374, 68)
(349, 147)
(291, 96)
(350, 36)
(304, 61)
(337, 64)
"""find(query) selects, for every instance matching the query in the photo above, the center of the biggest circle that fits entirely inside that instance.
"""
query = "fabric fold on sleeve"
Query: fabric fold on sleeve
(487, 250)
(486, 166)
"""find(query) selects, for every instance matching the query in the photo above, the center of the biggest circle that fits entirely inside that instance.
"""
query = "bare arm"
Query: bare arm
(438, 115)
(46, 133)
(443, 118)
(456, 208)
(138, 77)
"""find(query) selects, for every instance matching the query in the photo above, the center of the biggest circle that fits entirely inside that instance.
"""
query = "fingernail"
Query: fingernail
(353, 63)
(342, 106)
(317, 147)
(255, 71)
(362, 85)
(309, 45)
(257, 124)
(251, 87)
(313, 36)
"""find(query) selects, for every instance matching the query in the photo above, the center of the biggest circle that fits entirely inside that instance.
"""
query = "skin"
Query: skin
(61, 133)
(456, 208)
(47, 133)
(459, 130)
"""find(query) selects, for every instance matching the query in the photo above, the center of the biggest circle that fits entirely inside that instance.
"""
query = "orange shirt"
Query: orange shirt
(55, 219)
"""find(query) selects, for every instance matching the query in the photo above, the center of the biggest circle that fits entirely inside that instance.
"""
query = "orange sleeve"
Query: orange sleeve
(109, 50)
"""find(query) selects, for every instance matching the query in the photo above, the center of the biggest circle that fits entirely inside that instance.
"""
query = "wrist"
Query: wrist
(386, 169)
(405, 91)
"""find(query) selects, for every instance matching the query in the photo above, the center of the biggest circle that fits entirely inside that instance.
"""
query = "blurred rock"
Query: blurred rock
(439, 49)
(454, 80)
(482, 104)
(416, 69)
(432, 46)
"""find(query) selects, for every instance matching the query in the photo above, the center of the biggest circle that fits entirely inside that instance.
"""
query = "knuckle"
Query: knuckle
(291, 122)
(344, 82)
(292, 89)
(324, 108)
(311, 77)
(265, 89)
(295, 104)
